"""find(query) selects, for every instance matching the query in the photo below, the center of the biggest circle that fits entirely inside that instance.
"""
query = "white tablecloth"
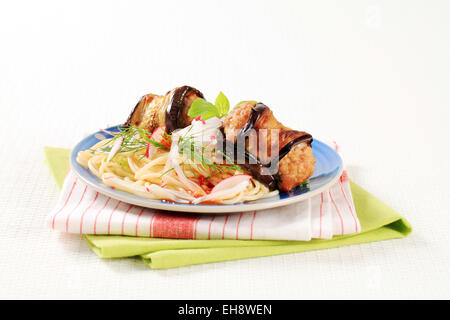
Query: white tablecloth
(374, 76)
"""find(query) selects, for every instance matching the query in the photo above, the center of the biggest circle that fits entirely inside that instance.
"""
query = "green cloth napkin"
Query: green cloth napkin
(378, 222)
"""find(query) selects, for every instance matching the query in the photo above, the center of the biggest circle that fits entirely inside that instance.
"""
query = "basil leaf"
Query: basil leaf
(200, 107)
(222, 104)
(207, 110)
(209, 114)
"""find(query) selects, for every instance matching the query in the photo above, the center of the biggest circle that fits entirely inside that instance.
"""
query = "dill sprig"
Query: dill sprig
(197, 154)
(134, 139)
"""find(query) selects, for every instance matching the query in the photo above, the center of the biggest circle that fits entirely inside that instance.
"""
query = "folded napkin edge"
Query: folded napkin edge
(166, 259)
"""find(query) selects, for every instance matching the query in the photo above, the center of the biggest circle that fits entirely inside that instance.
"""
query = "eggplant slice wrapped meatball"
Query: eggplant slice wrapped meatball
(290, 151)
(170, 110)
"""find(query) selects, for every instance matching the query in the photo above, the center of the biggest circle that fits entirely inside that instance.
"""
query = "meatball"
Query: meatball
(296, 167)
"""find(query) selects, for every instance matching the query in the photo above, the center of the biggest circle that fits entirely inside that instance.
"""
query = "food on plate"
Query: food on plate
(289, 151)
(169, 110)
(179, 147)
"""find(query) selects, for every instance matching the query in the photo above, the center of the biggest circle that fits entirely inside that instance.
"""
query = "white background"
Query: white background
(373, 75)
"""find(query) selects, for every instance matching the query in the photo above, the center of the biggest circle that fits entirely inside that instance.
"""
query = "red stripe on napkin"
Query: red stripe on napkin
(173, 226)
(87, 209)
(348, 204)
(110, 216)
(99, 211)
(78, 204)
(337, 210)
(209, 227)
(65, 203)
(321, 212)
(224, 225)
(237, 227)
(123, 219)
(251, 226)
(137, 220)
(150, 229)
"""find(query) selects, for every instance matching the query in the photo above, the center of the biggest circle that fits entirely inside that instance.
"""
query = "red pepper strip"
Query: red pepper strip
(166, 144)
(147, 154)
(166, 141)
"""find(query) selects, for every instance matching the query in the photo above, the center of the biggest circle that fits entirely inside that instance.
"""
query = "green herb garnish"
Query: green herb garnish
(134, 140)
(197, 154)
(304, 184)
(206, 110)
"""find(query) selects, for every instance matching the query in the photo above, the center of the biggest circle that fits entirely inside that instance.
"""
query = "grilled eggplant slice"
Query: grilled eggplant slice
(170, 110)
(291, 151)
(137, 115)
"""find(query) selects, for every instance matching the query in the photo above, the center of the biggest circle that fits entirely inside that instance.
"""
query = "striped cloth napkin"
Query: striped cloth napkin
(83, 210)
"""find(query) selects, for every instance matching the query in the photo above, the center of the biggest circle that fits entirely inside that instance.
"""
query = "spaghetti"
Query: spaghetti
(156, 166)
